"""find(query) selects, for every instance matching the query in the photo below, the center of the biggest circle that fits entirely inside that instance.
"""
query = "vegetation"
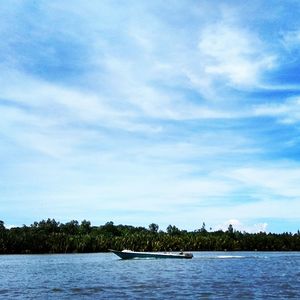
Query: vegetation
(50, 236)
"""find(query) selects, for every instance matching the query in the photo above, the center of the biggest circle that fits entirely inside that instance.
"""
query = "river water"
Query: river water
(209, 275)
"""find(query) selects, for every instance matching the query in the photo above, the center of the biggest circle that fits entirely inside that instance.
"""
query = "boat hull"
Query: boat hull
(127, 254)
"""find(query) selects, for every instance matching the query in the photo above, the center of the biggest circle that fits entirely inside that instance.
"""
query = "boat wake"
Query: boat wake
(230, 256)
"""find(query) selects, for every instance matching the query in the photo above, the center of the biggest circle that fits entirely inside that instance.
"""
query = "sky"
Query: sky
(139, 112)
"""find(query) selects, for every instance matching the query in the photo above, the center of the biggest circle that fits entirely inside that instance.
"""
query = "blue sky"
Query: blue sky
(173, 112)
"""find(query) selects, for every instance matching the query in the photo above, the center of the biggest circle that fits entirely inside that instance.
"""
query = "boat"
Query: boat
(129, 254)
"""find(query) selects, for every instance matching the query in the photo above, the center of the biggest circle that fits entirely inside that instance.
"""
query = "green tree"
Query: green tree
(230, 229)
(85, 227)
(173, 230)
(2, 227)
(203, 228)
(71, 227)
(153, 228)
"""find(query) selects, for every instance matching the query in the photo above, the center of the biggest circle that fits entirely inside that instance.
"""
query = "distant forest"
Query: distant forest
(50, 236)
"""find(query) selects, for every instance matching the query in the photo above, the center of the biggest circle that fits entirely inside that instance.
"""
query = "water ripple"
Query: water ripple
(209, 275)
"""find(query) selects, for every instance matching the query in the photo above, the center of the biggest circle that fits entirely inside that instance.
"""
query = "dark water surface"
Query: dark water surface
(209, 275)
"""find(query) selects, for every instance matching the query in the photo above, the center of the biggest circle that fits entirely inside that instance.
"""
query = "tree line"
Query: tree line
(50, 236)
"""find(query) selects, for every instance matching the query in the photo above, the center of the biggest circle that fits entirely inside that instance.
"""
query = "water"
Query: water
(209, 275)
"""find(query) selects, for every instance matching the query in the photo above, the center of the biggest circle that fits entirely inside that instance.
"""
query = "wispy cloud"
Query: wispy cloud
(235, 54)
(287, 112)
(238, 225)
(148, 112)
(277, 181)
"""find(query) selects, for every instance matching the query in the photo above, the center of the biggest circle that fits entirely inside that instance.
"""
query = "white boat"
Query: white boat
(128, 254)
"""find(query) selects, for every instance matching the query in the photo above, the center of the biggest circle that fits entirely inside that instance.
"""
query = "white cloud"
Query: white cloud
(151, 116)
(277, 181)
(152, 101)
(53, 116)
(287, 112)
(240, 226)
(234, 53)
(62, 101)
(243, 214)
